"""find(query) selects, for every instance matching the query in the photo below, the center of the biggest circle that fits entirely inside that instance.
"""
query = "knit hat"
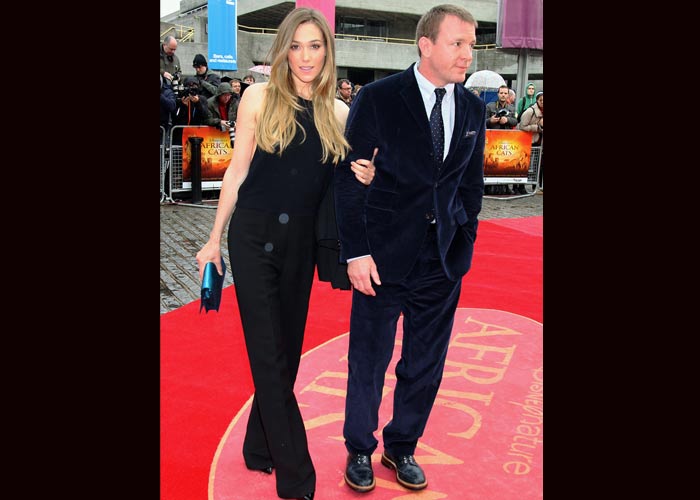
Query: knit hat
(191, 81)
(224, 88)
(199, 60)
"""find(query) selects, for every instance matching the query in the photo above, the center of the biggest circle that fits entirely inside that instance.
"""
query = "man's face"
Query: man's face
(170, 47)
(200, 70)
(448, 59)
(345, 90)
(502, 95)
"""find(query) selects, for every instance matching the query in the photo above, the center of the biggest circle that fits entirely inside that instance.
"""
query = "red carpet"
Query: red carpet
(205, 381)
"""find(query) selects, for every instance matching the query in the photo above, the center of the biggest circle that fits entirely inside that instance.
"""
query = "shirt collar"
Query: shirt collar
(427, 89)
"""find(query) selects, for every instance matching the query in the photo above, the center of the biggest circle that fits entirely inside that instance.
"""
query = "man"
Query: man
(208, 80)
(169, 62)
(408, 237)
(344, 92)
(191, 109)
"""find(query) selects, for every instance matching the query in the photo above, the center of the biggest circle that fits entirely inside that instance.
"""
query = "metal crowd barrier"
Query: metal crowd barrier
(176, 161)
(171, 168)
(163, 167)
(532, 176)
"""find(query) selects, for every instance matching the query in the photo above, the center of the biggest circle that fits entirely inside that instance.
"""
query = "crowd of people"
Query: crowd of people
(403, 207)
(504, 113)
(203, 98)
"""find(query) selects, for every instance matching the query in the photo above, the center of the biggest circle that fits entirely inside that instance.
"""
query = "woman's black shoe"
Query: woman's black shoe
(266, 470)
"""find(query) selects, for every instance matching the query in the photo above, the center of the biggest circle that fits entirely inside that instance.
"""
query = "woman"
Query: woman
(289, 137)
(532, 120)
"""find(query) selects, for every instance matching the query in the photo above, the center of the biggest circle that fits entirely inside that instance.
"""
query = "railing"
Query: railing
(532, 177)
(186, 34)
(181, 33)
(360, 38)
(163, 166)
(171, 174)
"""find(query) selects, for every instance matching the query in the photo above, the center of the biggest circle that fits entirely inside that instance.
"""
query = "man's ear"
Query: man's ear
(425, 46)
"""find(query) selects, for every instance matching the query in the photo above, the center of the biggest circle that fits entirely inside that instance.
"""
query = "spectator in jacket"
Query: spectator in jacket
(169, 63)
(532, 121)
(191, 108)
(526, 101)
(167, 105)
(208, 80)
(223, 108)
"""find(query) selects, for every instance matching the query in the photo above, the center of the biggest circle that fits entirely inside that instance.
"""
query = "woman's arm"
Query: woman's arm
(237, 171)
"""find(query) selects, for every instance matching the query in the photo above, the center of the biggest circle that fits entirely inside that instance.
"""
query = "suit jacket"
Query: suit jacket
(389, 218)
(328, 246)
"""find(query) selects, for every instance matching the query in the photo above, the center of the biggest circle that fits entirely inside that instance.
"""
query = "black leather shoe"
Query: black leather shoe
(408, 472)
(266, 470)
(308, 496)
(358, 472)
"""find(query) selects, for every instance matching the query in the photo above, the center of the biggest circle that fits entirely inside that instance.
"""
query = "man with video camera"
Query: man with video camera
(191, 108)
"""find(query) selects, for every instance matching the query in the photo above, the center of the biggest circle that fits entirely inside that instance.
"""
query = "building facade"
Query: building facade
(373, 39)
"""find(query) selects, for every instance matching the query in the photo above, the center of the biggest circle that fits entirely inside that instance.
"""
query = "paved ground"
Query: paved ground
(185, 228)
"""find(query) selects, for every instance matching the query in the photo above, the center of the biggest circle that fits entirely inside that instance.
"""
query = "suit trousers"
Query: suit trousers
(272, 263)
(428, 300)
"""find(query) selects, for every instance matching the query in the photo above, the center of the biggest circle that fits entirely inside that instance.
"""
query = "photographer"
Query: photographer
(501, 115)
(191, 108)
(169, 62)
(223, 108)
(208, 80)
(167, 105)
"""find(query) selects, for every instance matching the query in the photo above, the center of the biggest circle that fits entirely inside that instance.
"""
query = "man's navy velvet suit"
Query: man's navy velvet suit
(420, 264)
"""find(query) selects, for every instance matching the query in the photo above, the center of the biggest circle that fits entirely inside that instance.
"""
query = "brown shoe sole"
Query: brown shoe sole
(388, 463)
(361, 489)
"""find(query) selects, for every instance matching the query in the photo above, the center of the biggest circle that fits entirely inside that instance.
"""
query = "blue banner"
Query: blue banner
(222, 27)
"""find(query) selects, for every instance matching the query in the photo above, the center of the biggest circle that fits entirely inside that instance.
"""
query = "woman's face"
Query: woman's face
(307, 53)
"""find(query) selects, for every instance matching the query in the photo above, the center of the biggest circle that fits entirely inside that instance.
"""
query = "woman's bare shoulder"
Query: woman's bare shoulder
(254, 94)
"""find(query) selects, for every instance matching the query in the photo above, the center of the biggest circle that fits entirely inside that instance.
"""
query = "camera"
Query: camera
(189, 91)
(501, 112)
(177, 86)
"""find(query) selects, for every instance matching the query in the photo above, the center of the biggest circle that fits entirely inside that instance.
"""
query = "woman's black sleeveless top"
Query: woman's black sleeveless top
(293, 183)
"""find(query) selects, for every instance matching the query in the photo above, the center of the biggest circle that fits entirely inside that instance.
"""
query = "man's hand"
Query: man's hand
(362, 272)
(364, 170)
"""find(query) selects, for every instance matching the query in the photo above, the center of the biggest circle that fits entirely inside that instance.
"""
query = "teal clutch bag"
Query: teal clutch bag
(212, 286)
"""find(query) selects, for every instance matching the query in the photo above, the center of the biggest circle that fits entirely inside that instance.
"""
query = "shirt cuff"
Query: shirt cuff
(360, 257)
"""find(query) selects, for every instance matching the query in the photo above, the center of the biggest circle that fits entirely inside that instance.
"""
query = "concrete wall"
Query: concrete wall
(486, 10)
(384, 58)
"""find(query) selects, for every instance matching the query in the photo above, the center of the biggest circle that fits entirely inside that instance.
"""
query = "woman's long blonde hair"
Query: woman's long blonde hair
(277, 124)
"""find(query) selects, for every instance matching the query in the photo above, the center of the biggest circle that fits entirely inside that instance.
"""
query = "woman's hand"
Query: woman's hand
(211, 252)
(364, 170)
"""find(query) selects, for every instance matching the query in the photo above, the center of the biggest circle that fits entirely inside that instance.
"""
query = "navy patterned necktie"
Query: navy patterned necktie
(437, 129)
